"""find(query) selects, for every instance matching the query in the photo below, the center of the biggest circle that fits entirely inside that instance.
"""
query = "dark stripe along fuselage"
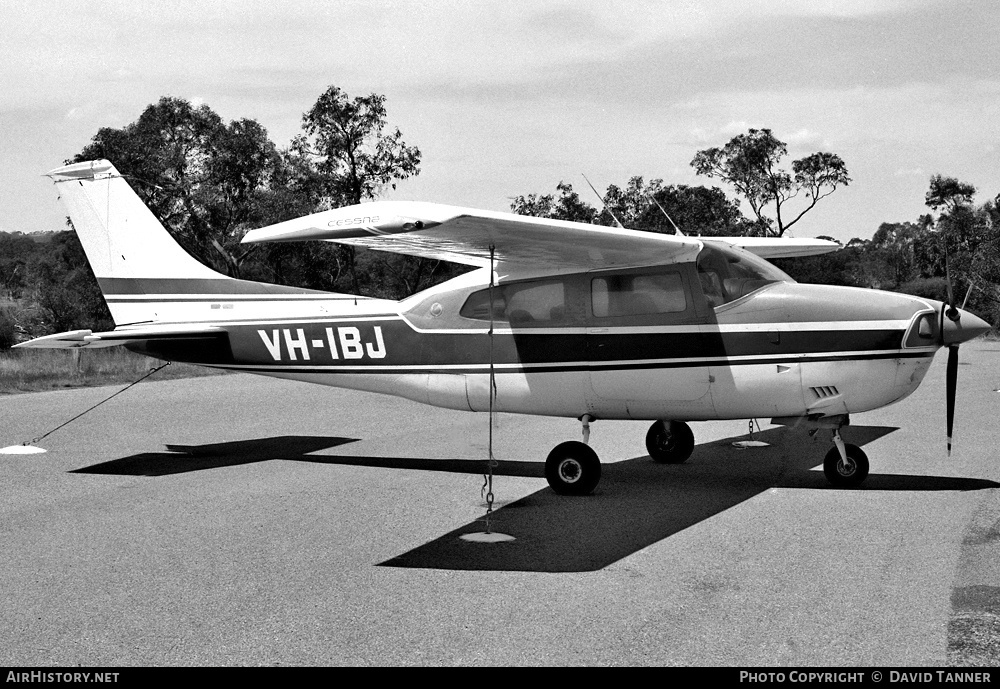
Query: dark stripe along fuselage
(392, 345)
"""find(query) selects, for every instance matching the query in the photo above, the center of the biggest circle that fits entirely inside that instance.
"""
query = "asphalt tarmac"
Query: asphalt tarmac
(291, 524)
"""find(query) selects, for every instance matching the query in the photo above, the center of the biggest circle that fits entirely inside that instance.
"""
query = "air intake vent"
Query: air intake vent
(824, 391)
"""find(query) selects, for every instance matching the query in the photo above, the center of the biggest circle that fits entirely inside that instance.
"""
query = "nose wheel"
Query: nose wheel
(845, 465)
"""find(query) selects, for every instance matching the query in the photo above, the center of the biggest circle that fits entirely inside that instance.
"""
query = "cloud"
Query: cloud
(804, 138)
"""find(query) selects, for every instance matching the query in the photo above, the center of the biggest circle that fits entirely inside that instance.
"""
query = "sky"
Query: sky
(510, 98)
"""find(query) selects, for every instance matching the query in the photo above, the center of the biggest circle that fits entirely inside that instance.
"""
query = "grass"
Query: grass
(33, 370)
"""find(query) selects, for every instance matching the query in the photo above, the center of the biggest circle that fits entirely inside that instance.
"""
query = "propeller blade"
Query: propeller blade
(947, 275)
(951, 382)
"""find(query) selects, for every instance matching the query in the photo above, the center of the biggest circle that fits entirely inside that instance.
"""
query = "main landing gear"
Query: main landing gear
(669, 442)
(573, 468)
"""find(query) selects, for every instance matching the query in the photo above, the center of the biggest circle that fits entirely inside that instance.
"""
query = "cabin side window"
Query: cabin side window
(638, 295)
(525, 304)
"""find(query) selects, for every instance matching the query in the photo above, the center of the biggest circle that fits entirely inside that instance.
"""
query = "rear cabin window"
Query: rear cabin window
(638, 295)
(534, 303)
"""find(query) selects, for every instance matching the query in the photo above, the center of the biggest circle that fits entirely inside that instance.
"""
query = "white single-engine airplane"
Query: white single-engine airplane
(568, 319)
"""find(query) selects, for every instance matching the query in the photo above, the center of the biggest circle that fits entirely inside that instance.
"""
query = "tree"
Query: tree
(355, 159)
(640, 206)
(201, 177)
(569, 205)
(948, 193)
(750, 163)
(699, 211)
(210, 182)
(346, 140)
(64, 288)
(15, 251)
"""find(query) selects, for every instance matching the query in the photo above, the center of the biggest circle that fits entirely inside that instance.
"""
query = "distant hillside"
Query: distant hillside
(40, 237)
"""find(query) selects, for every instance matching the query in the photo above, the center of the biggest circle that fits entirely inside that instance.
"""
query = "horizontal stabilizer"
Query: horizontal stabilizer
(76, 339)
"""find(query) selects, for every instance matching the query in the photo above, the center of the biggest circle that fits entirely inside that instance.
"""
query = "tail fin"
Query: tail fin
(122, 237)
(144, 275)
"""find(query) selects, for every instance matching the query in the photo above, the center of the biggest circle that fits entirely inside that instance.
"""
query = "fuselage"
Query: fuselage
(726, 337)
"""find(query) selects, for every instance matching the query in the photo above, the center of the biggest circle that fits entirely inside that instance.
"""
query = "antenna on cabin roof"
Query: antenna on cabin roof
(664, 211)
(604, 204)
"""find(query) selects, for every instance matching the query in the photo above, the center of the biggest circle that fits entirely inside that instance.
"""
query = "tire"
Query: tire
(850, 475)
(572, 468)
(669, 442)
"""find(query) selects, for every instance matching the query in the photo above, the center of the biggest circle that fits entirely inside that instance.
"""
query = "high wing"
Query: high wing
(466, 235)
(76, 339)
(780, 247)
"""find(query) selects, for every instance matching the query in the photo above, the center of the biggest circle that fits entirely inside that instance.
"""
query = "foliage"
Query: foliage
(64, 289)
(201, 177)
(8, 329)
(749, 162)
(644, 206)
(919, 257)
(14, 252)
(569, 205)
(210, 182)
(948, 193)
(354, 159)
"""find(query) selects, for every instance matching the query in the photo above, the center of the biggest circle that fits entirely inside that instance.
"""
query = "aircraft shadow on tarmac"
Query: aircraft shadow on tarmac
(184, 458)
(638, 502)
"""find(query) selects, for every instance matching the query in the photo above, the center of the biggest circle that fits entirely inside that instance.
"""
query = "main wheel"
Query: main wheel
(572, 468)
(671, 442)
(849, 474)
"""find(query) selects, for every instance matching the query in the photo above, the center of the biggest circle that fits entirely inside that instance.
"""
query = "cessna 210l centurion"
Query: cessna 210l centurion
(559, 319)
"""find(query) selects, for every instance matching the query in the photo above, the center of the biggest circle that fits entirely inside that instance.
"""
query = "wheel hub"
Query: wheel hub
(570, 470)
(665, 438)
(847, 468)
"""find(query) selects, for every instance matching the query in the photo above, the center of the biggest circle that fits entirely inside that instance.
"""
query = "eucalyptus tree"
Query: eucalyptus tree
(751, 164)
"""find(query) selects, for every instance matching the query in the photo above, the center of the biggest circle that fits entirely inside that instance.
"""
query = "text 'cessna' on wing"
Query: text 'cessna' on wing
(345, 342)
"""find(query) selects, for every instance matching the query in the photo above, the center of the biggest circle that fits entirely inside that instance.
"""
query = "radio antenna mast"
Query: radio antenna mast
(605, 205)
(664, 211)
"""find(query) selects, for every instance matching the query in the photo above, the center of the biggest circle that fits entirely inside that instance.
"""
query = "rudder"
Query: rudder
(121, 236)
(143, 273)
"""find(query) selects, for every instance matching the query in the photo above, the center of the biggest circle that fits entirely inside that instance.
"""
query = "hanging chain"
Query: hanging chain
(487, 488)
(151, 372)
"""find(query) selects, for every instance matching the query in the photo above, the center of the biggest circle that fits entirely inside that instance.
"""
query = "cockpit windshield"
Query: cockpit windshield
(727, 273)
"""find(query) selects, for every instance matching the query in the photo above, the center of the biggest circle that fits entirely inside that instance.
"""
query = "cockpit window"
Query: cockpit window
(727, 273)
(533, 303)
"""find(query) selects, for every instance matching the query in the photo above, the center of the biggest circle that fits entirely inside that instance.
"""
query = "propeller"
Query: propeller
(955, 326)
